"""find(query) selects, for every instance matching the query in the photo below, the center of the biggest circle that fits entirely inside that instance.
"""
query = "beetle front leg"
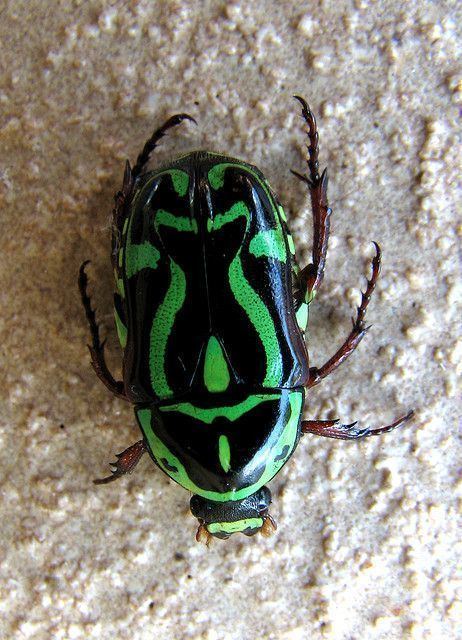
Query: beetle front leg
(126, 462)
(311, 276)
(332, 428)
(130, 175)
(151, 144)
(96, 349)
(357, 333)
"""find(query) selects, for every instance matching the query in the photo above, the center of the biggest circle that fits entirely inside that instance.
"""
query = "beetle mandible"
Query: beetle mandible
(211, 311)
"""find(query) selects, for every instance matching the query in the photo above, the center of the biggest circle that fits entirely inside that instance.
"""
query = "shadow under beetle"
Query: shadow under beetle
(211, 311)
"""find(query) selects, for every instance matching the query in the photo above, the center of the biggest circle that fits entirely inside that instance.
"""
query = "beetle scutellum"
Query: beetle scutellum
(211, 311)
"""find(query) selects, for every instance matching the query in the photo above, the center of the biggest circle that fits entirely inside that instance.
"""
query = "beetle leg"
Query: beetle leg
(357, 333)
(202, 535)
(118, 213)
(130, 175)
(311, 276)
(269, 526)
(151, 144)
(96, 349)
(126, 462)
(332, 428)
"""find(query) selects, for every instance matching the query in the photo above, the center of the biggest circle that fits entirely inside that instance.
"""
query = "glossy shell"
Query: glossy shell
(214, 355)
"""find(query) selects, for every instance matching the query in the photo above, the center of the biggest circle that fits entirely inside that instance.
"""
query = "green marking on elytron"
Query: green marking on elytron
(121, 329)
(232, 413)
(180, 180)
(121, 256)
(269, 244)
(216, 373)
(238, 210)
(164, 318)
(310, 296)
(245, 295)
(216, 175)
(121, 287)
(290, 242)
(140, 256)
(282, 213)
(180, 223)
(141, 197)
(260, 317)
(162, 325)
(235, 527)
(124, 229)
(302, 316)
(224, 453)
(249, 299)
(119, 284)
(272, 456)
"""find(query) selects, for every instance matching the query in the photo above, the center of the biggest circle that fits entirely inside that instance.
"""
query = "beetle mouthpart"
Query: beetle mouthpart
(203, 535)
(269, 526)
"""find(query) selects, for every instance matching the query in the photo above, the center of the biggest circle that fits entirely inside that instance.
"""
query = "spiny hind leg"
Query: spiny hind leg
(333, 428)
(126, 462)
(357, 333)
(98, 361)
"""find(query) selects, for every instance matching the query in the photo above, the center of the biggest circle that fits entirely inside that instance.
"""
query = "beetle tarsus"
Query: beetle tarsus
(126, 462)
(311, 276)
(98, 361)
(366, 295)
(151, 144)
(357, 333)
(313, 137)
(332, 428)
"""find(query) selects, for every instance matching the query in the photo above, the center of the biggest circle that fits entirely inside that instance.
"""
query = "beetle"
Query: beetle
(211, 311)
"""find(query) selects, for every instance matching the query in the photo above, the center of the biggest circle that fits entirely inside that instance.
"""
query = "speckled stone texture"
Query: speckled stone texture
(367, 544)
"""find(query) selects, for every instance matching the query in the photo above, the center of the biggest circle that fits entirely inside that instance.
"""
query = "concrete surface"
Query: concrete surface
(368, 544)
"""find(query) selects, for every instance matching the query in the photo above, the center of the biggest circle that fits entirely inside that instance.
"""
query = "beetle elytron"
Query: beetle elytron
(211, 311)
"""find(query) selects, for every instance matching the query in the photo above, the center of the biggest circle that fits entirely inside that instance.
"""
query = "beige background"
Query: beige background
(367, 544)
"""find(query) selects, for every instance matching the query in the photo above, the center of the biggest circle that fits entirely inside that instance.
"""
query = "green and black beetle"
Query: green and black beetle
(211, 311)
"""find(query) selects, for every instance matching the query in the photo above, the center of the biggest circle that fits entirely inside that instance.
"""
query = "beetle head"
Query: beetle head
(222, 519)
